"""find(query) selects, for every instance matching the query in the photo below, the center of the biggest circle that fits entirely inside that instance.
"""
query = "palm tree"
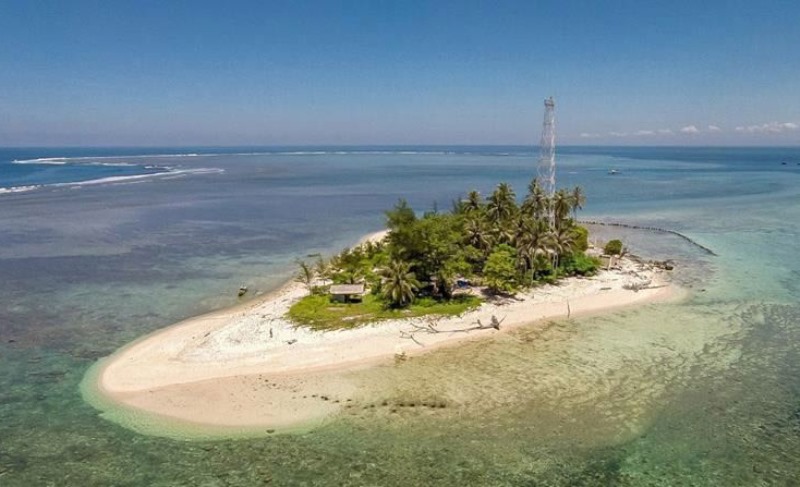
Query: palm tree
(505, 233)
(399, 283)
(473, 203)
(350, 276)
(321, 268)
(536, 202)
(477, 233)
(502, 203)
(501, 209)
(578, 200)
(305, 274)
(562, 204)
(562, 241)
(532, 242)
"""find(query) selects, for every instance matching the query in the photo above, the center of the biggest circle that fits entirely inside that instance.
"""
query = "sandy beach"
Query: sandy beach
(248, 367)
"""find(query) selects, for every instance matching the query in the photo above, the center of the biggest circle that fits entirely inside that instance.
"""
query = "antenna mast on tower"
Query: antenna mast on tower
(547, 149)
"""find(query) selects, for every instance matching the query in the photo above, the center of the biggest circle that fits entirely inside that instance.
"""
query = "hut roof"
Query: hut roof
(347, 289)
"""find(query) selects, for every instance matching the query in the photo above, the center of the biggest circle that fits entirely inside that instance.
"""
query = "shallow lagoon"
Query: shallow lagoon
(704, 392)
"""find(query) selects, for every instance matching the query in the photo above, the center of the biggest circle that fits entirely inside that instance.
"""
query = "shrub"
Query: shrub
(581, 238)
(613, 247)
(320, 290)
(580, 264)
(500, 272)
(551, 278)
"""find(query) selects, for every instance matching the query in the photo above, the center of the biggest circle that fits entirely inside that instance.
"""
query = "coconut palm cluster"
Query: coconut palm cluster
(494, 243)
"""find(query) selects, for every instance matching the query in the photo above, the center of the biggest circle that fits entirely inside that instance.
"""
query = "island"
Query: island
(281, 362)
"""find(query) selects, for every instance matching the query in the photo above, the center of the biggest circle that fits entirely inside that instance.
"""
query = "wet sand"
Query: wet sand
(248, 368)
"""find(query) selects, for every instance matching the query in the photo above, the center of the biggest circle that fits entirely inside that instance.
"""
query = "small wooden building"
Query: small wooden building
(609, 261)
(345, 293)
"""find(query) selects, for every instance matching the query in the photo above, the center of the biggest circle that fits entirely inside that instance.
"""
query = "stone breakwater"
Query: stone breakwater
(651, 229)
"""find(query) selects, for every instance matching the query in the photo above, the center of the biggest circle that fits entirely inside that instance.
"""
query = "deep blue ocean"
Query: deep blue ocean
(99, 246)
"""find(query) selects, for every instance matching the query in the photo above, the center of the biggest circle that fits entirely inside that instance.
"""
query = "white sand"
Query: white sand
(249, 367)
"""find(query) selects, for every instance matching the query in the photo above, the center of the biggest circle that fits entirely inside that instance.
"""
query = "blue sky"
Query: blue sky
(398, 72)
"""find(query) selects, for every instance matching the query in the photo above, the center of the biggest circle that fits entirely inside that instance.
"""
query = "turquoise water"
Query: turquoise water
(703, 392)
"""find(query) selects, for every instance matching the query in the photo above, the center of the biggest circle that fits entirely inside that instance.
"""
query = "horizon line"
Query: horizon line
(238, 146)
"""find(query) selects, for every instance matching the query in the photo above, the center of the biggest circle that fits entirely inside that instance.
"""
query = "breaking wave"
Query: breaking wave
(19, 189)
(168, 172)
(280, 152)
(92, 161)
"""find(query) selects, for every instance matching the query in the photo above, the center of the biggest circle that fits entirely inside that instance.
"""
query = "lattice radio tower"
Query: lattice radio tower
(547, 149)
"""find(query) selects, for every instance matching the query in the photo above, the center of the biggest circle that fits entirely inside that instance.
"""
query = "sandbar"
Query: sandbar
(248, 368)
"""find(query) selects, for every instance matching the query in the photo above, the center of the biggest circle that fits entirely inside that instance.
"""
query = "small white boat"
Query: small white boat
(613, 171)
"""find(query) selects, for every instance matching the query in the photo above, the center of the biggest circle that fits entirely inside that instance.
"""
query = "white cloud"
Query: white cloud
(692, 130)
(768, 128)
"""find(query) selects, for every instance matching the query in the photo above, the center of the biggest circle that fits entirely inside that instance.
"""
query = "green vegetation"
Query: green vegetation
(500, 272)
(305, 274)
(581, 238)
(400, 285)
(491, 242)
(319, 313)
(580, 264)
(613, 247)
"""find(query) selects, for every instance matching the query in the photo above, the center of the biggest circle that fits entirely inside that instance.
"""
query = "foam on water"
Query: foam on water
(19, 189)
(704, 392)
(161, 172)
(118, 179)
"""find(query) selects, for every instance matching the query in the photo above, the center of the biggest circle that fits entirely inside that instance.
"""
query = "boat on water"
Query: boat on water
(613, 171)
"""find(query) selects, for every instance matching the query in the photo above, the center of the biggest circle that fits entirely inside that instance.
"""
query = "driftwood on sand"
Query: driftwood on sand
(432, 323)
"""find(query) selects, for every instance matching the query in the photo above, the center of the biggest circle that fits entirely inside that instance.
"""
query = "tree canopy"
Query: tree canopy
(493, 241)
